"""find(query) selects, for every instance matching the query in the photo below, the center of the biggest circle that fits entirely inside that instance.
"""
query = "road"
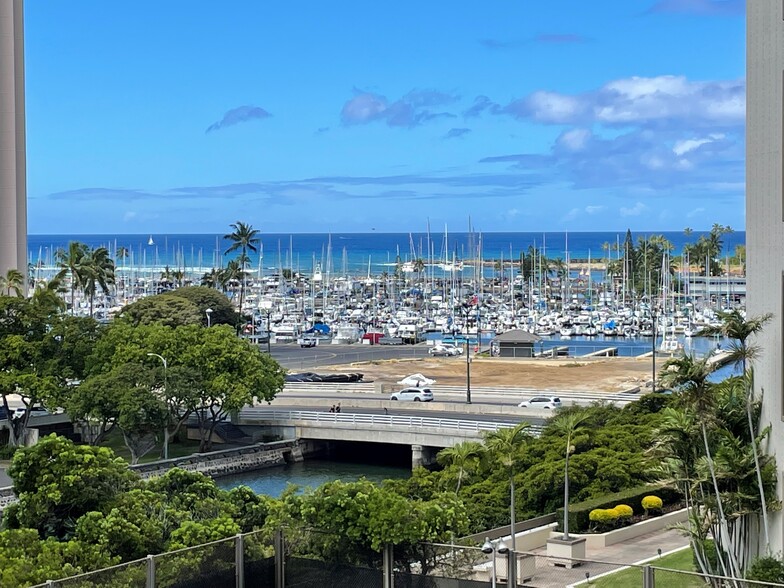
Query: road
(293, 357)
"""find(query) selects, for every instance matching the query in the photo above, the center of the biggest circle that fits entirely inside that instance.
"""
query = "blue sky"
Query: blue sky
(183, 116)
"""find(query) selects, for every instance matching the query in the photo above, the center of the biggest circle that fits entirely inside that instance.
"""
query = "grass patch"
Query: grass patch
(114, 441)
(681, 560)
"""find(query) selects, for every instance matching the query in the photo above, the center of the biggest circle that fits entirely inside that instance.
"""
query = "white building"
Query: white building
(13, 188)
(765, 214)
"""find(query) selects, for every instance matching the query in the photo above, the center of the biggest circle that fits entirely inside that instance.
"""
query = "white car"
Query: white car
(413, 394)
(443, 351)
(35, 411)
(545, 402)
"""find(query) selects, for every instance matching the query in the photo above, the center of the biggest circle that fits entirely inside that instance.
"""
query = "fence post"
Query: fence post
(387, 557)
(239, 561)
(150, 571)
(280, 557)
(648, 578)
(511, 568)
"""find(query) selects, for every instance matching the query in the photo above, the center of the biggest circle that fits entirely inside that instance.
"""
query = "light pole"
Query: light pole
(489, 548)
(209, 321)
(165, 367)
(468, 357)
(653, 350)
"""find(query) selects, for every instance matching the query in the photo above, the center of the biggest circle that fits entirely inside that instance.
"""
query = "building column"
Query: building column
(13, 184)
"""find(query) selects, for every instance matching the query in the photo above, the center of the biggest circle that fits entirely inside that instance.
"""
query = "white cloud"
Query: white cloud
(695, 212)
(574, 139)
(635, 210)
(571, 215)
(129, 215)
(594, 209)
(659, 100)
(684, 146)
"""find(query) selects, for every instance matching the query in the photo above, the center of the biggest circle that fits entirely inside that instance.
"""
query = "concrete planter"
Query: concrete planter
(566, 553)
(602, 540)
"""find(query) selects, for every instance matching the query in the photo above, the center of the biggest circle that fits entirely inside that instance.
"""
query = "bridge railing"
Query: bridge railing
(413, 422)
(517, 393)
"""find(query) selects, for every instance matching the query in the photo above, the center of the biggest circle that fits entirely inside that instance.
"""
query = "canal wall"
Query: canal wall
(228, 461)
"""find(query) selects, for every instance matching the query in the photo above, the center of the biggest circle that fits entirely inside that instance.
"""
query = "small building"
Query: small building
(515, 343)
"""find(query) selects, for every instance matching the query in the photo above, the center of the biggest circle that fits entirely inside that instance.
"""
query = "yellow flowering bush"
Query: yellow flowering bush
(603, 517)
(652, 503)
(624, 511)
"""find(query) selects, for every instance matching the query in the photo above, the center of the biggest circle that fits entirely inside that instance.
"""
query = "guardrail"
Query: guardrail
(519, 393)
(376, 420)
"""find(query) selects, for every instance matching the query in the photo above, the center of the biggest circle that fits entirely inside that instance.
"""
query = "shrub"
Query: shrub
(603, 518)
(766, 569)
(624, 511)
(603, 515)
(579, 511)
(650, 503)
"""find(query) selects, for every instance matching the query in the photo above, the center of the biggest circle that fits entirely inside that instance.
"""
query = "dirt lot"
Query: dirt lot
(596, 375)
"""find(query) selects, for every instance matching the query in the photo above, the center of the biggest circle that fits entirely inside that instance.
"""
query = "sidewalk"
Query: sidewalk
(615, 556)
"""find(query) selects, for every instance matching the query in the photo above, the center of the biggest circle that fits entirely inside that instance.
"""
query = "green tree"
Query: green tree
(97, 272)
(507, 444)
(568, 424)
(58, 481)
(25, 560)
(12, 281)
(244, 238)
(463, 457)
(740, 330)
(208, 298)
(171, 311)
(690, 377)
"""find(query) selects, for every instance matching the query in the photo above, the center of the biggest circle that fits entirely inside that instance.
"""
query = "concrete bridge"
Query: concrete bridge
(425, 435)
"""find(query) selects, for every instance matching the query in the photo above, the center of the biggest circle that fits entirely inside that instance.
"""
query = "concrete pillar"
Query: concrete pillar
(13, 183)
(417, 456)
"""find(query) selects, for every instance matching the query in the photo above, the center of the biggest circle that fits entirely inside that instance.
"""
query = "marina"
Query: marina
(573, 304)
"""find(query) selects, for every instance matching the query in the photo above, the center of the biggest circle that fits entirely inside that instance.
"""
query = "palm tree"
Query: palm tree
(690, 377)
(463, 456)
(71, 262)
(505, 444)
(48, 297)
(568, 424)
(211, 279)
(245, 238)
(98, 272)
(12, 280)
(736, 327)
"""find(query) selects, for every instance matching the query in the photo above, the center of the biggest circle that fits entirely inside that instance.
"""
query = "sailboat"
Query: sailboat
(150, 241)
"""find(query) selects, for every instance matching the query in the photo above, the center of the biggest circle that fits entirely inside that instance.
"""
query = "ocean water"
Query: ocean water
(353, 253)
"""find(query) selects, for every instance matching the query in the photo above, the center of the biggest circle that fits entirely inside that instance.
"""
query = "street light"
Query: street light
(653, 350)
(165, 367)
(489, 548)
(208, 312)
(466, 309)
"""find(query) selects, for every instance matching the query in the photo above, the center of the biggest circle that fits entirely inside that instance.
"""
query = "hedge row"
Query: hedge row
(579, 511)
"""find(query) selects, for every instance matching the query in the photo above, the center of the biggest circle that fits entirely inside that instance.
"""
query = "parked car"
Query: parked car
(545, 402)
(307, 342)
(443, 351)
(413, 394)
(35, 411)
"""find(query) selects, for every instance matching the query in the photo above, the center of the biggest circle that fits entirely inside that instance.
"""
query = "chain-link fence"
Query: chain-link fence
(316, 558)
(304, 558)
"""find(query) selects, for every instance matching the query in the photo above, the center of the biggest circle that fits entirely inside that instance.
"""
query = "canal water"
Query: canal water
(310, 473)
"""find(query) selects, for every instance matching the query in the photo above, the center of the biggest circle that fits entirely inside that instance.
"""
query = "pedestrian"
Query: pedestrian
(332, 408)
(386, 410)
(337, 408)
